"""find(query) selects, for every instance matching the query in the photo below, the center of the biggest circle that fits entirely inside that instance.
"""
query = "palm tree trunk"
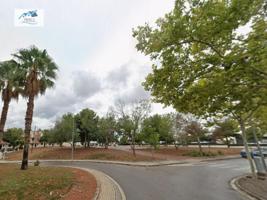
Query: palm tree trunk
(3, 117)
(27, 131)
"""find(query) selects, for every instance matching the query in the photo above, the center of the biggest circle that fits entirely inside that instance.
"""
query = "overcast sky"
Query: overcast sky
(91, 42)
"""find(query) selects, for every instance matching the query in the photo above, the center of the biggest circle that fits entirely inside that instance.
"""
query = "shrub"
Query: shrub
(195, 153)
(36, 163)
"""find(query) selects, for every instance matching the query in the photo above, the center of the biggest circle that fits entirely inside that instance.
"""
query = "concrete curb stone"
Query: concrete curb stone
(137, 164)
(107, 188)
(234, 184)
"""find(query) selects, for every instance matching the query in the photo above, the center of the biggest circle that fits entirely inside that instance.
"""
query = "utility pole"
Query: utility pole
(72, 145)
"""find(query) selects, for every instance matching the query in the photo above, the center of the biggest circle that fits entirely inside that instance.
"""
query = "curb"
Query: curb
(234, 184)
(100, 194)
(123, 197)
(135, 164)
(151, 164)
(223, 158)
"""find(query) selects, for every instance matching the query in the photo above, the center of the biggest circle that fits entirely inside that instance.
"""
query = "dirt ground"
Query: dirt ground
(170, 153)
(84, 186)
(79, 153)
(254, 186)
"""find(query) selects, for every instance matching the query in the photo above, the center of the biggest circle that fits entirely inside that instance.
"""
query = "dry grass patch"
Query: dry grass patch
(44, 183)
(79, 153)
(171, 153)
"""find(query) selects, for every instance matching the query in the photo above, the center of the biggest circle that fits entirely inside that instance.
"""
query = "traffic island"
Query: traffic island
(251, 187)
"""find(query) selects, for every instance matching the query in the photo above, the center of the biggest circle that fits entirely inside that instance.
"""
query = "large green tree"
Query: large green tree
(132, 116)
(39, 72)
(107, 126)
(87, 122)
(157, 128)
(205, 63)
(14, 136)
(65, 130)
(10, 87)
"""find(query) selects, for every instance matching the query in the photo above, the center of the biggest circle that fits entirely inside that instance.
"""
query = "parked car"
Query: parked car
(254, 152)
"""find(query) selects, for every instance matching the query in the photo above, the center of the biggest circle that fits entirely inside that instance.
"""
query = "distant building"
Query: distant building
(35, 137)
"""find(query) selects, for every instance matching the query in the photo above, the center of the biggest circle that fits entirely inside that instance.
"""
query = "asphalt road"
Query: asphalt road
(202, 181)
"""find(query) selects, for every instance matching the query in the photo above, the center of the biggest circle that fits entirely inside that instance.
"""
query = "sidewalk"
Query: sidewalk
(107, 188)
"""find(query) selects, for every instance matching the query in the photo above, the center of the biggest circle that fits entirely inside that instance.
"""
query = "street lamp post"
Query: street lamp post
(72, 146)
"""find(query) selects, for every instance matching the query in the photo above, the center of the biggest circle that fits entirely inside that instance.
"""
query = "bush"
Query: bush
(36, 163)
(195, 153)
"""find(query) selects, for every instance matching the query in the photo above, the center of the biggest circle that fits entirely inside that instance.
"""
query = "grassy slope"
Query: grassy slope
(34, 183)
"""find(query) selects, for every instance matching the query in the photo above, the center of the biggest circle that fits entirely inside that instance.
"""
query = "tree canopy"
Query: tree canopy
(203, 64)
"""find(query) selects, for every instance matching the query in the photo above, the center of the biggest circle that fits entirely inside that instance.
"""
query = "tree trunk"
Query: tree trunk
(3, 117)
(27, 131)
(175, 145)
(85, 141)
(199, 146)
(106, 143)
(227, 142)
(133, 143)
(242, 127)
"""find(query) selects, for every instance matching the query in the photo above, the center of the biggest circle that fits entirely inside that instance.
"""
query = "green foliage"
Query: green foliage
(125, 125)
(64, 128)
(131, 118)
(10, 80)
(157, 128)
(86, 122)
(106, 128)
(250, 135)
(195, 153)
(153, 140)
(45, 137)
(202, 64)
(259, 119)
(14, 136)
(37, 68)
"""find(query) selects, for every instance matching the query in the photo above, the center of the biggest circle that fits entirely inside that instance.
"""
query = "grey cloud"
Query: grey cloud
(118, 76)
(135, 94)
(68, 96)
(85, 84)
(53, 105)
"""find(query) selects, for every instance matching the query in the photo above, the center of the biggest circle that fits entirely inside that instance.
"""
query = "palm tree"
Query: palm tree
(40, 73)
(10, 87)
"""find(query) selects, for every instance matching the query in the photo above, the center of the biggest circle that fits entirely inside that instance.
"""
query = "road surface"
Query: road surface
(199, 181)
